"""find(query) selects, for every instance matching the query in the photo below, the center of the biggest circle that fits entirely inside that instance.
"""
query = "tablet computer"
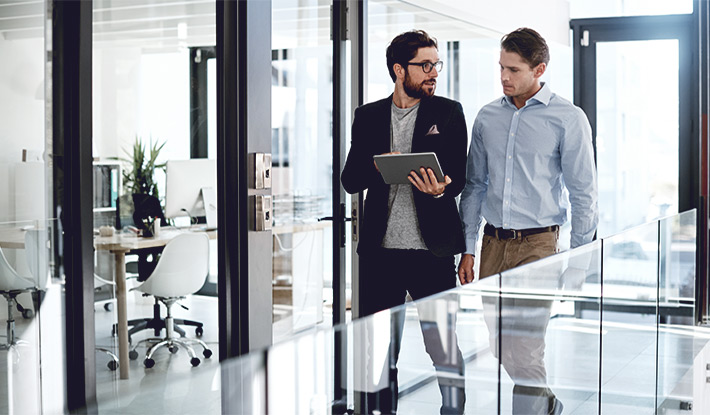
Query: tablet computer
(395, 168)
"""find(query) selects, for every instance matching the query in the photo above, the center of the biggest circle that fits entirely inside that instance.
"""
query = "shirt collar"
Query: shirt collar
(543, 96)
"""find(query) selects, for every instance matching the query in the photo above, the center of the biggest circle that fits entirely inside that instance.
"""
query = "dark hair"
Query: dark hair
(404, 47)
(528, 44)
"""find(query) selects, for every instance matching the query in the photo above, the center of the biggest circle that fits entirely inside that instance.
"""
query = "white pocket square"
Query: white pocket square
(433, 130)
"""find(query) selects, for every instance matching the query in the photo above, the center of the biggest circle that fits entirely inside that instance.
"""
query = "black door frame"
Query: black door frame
(588, 32)
(199, 105)
(71, 147)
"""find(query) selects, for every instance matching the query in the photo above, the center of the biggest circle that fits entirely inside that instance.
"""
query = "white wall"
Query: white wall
(138, 93)
(549, 17)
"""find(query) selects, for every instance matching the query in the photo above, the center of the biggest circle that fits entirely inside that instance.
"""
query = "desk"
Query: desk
(119, 245)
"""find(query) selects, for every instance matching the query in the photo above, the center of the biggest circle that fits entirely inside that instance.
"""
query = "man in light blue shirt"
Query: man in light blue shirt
(526, 148)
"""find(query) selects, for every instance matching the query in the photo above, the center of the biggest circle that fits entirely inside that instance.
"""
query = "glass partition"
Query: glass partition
(32, 308)
(154, 110)
(548, 308)
(629, 306)
(676, 309)
(577, 332)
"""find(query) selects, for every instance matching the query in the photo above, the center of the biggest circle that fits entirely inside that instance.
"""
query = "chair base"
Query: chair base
(157, 324)
(113, 363)
(173, 344)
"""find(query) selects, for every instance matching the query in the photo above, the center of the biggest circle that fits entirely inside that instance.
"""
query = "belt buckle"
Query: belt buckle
(515, 233)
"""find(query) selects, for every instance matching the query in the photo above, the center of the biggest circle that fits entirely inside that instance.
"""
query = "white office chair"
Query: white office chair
(12, 285)
(181, 270)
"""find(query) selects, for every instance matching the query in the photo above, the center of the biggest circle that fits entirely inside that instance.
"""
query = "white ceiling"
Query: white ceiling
(151, 24)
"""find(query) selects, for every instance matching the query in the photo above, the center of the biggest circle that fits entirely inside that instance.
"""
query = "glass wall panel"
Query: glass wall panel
(550, 307)
(478, 326)
(154, 205)
(629, 285)
(32, 343)
(676, 309)
(632, 120)
(302, 154)
(549, 311)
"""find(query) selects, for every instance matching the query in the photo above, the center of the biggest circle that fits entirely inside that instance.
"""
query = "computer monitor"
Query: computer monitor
(191, 189)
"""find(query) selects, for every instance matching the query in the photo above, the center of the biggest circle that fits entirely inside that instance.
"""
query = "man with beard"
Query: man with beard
(410, 233)
(526, 148)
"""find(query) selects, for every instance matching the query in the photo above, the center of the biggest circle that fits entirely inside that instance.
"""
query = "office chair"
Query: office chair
(12, 285)
(181, 270)
(100, 285)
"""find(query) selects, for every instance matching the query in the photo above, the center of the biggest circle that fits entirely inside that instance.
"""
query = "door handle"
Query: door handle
(331, 218)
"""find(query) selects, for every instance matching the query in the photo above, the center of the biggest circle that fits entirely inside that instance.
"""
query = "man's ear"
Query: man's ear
(398, 70)
(539, 70)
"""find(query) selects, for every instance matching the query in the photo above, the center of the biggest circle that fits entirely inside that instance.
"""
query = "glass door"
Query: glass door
(636, 119)
(632, 78)
(302, 165)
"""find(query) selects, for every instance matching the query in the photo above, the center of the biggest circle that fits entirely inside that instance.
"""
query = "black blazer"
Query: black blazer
(439, 220)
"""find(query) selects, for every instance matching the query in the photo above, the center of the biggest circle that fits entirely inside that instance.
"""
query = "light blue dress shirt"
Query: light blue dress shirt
(520, 162)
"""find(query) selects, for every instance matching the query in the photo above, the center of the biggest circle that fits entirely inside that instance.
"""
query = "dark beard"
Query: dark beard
(416, 91)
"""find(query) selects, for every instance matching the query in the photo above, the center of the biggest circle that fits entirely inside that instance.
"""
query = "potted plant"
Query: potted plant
(139, 182)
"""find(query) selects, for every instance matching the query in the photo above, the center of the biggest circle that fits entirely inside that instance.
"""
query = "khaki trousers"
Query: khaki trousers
(517, 326)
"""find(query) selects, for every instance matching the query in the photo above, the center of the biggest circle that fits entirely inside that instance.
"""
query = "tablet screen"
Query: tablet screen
(395, 168)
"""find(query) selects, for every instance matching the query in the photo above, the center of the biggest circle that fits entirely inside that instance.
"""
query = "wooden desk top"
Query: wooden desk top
(125, 243)
(14, 238)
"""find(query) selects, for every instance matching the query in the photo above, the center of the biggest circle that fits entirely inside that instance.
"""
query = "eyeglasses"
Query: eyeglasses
(427, 66)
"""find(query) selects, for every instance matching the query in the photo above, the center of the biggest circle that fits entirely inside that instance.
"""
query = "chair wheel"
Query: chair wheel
(108, 306)
(112, 365)
(173, 349)
(199, 332)
(207, 353)
(195, 362)
(133, 355)
(149, 363)
(27, 313)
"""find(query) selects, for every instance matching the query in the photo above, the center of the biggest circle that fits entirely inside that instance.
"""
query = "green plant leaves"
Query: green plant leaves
(140, 177)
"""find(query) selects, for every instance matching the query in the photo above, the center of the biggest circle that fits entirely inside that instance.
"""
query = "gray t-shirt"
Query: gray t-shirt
(402, 223)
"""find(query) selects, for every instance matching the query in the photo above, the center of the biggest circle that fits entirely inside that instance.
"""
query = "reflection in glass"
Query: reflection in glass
(541, 304)
(31, 294)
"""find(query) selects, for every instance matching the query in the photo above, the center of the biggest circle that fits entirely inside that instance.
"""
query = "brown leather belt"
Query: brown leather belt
(501, 233)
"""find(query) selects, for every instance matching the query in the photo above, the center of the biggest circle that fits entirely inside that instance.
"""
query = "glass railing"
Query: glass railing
(605, 328)
(32, 344)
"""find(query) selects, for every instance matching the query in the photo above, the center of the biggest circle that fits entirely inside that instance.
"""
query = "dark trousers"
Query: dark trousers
(386, 276)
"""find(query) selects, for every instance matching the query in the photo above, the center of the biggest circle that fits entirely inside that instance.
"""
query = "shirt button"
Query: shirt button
(512, 134)
(510, 157)
(506, 202)
(515, 113)
(505, 224)
(507, 180)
